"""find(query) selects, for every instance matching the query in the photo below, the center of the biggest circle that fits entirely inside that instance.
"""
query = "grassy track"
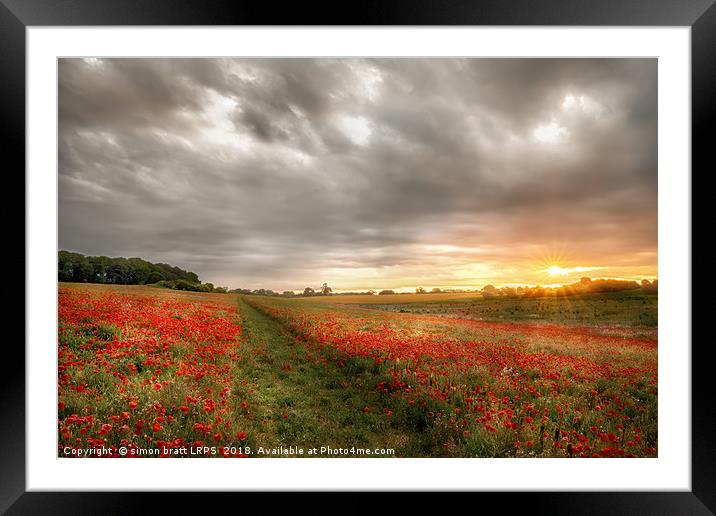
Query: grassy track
(301, 401)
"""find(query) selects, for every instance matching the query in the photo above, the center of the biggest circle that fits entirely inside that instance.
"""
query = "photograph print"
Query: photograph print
(357, 258)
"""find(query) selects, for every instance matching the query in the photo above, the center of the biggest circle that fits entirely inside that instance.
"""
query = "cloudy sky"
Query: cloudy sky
(363, 173)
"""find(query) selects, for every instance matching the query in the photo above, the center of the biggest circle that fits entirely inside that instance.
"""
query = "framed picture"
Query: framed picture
(418, 249)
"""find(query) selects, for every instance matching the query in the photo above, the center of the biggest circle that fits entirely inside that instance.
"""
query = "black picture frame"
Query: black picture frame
(17, 15)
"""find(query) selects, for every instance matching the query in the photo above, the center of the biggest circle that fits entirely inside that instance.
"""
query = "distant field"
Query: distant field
(391, 299)
(630, 308)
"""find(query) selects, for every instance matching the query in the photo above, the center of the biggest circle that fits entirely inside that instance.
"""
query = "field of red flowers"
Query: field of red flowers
(142, 369)
(138, 370)
(495, 389)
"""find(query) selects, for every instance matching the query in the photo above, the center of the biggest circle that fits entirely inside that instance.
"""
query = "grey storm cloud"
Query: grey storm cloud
(271, 172)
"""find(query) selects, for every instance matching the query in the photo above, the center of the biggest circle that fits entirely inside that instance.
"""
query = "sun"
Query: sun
(556, 270)
(553, 264)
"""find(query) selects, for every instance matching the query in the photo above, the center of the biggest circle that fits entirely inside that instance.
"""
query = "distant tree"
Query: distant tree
(264, 292)
(74, 267)
(371, 292)
(420, 290)
(308, 291)
(508, 292)
(649, 287)
(153, 277)
(115, 272)
(99, 268)
(538, 291)
(288, 293)
(436, 291)
(182, 284)
(221, 290)
(612, 285)
(489, 291)
(385, 292)
(325, 289)
(65, 271)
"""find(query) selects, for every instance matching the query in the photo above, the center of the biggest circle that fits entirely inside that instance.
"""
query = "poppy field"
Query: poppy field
(143, 368)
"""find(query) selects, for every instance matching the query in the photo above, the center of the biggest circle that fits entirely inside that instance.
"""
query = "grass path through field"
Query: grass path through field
(298, 400)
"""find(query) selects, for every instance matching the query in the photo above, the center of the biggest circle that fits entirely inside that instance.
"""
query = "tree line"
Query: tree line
(79, 268)
(324, 290)
(583, 286)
